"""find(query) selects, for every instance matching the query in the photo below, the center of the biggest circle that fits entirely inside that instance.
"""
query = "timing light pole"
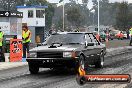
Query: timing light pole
(98, 18)
(63, 16)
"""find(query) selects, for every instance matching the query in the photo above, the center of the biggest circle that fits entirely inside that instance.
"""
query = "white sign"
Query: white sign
(5, 27)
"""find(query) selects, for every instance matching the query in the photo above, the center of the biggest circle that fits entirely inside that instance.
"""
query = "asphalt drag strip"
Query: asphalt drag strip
(116, 62)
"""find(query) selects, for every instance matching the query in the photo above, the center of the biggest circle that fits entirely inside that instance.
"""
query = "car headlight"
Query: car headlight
(69, 54)
(33, 55)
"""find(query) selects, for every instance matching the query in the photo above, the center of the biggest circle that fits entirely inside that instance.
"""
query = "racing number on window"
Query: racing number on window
(93, 39)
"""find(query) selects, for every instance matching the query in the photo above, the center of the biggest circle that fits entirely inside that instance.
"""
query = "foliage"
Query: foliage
(74, 16)
(85, 1)
(49, 16)
(60, 1)
(116, 14)
(36, 2)
(129, 15)
(59, 24)
(10, 5)
(122, 16)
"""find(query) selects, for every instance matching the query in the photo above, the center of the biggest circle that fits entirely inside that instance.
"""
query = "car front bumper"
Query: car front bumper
(53, 62)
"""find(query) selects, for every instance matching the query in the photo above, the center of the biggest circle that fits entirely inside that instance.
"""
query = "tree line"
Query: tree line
(119, 15)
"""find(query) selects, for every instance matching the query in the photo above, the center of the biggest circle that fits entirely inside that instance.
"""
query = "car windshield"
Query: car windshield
(65, 39)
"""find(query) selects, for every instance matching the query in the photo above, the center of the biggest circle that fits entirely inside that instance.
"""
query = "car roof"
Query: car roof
(73, 33)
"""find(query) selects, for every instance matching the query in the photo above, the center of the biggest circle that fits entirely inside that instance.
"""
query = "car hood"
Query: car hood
(59, 48)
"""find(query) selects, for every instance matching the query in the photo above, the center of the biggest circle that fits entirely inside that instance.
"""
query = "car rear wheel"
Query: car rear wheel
(100, 62)
(33, 68)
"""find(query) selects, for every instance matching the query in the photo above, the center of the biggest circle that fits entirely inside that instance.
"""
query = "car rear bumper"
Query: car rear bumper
(53, 62)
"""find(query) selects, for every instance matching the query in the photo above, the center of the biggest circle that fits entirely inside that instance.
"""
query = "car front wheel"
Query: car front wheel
(81, 63)
(33, 68)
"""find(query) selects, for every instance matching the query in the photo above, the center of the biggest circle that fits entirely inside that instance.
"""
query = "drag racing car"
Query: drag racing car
(67, 49)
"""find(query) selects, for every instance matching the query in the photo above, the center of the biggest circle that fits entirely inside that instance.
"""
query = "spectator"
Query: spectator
(26, 36)
(1, 46)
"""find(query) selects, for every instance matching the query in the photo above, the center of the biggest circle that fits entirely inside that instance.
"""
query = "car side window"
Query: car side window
(93, 38)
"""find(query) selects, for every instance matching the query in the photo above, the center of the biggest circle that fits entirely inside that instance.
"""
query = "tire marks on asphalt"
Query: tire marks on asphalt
(117, 63)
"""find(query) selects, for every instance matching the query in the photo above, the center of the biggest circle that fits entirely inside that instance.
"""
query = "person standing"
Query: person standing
(1, 44)
(26, 37)
(98, 37)
(130, 32)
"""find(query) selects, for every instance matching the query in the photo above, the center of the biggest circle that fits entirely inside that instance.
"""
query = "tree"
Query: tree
(85, 1)
(108, 13)
(105, 17)
(74, 16)
(49, 16)
(10, 5)
(95, 2)
(59, 24)
(122, 16)
(130, 15)
(49, 11)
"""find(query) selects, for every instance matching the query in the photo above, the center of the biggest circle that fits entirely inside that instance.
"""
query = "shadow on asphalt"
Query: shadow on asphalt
(58, 72)
(65, 72)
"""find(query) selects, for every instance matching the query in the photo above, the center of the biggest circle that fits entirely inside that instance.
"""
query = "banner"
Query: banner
(83, 78)
(15, 50)
(11, 14)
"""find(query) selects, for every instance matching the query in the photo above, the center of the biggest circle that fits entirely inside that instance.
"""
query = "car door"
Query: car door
(96, 48)
(88, 51)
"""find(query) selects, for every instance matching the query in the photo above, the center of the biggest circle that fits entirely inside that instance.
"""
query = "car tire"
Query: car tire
(81, 62)
(100, 62)
(33, 68)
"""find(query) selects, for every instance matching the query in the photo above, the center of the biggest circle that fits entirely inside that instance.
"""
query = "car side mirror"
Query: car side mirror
(90, 44)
